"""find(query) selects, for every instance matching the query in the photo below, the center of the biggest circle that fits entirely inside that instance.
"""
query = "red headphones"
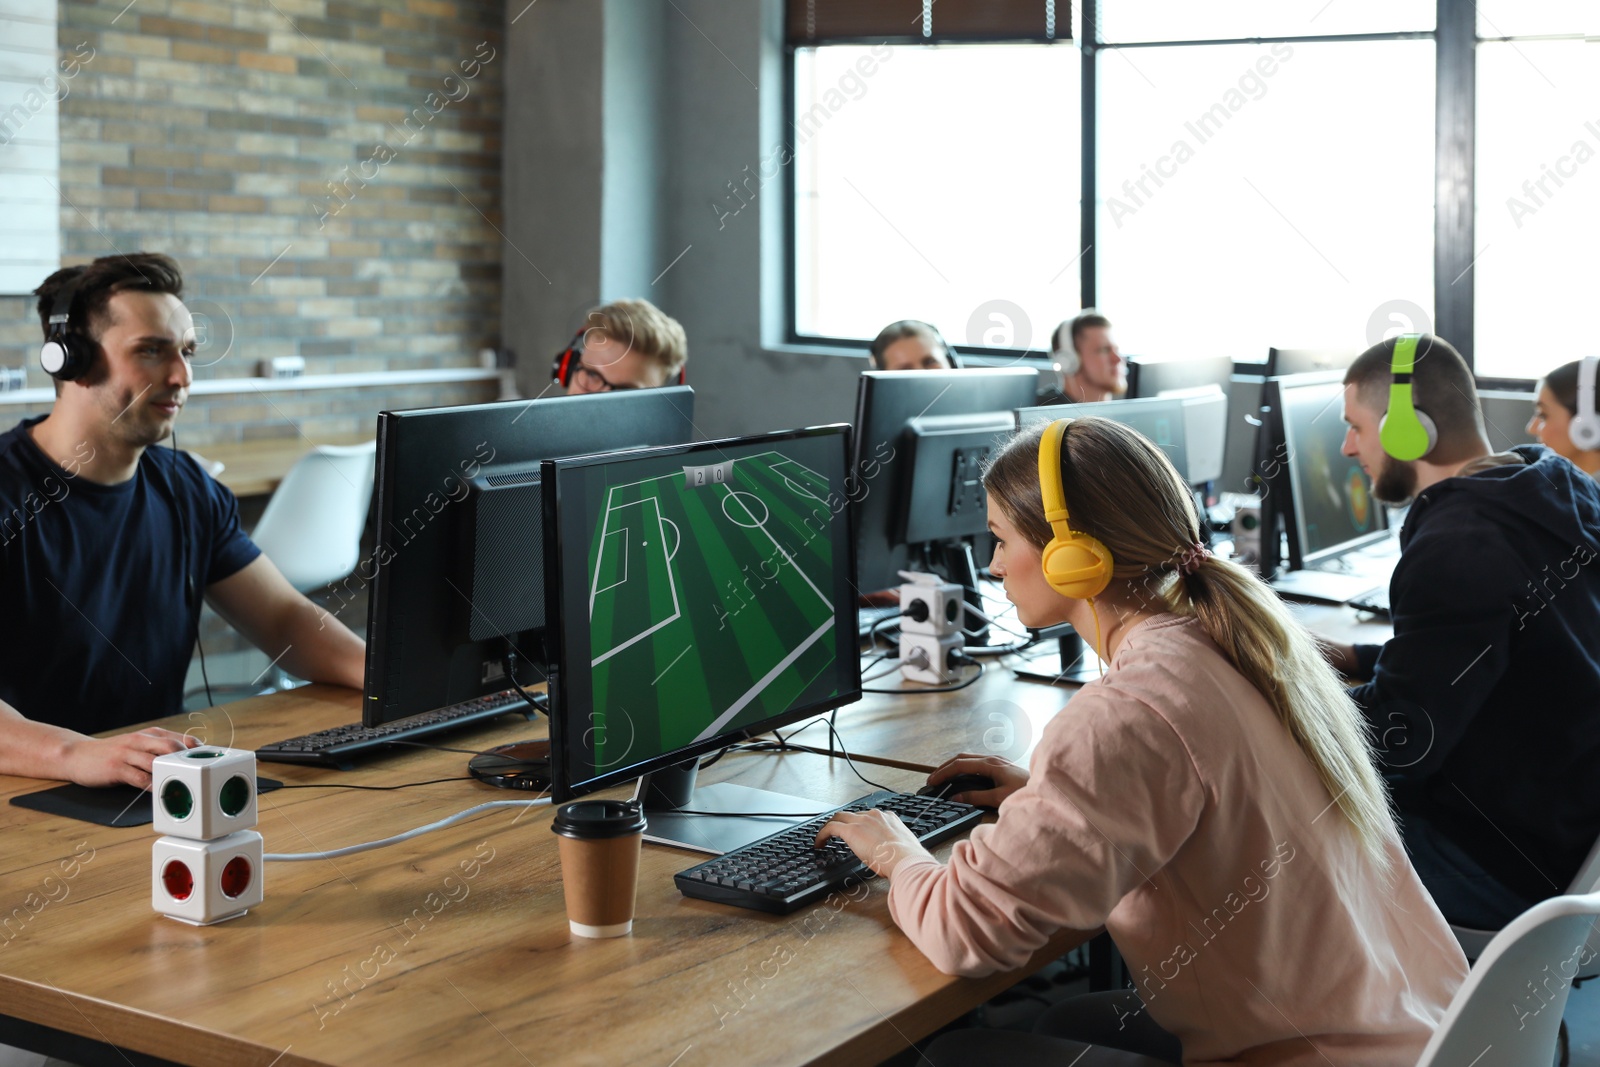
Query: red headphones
(567, 359)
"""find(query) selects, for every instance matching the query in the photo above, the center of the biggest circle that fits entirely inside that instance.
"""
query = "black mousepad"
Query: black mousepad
(118, 805)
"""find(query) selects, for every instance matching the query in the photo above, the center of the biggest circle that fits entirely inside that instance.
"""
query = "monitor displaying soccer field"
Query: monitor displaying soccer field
(704, 596)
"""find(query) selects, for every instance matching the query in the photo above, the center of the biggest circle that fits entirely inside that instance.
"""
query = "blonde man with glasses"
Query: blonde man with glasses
(626, 344)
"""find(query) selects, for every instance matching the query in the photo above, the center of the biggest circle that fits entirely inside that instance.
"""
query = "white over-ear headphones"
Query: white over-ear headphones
(1584, 430)
(1064, 352)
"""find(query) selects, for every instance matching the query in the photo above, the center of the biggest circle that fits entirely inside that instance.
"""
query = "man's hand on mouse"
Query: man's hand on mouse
(121, 760)
(878, 838)
(1008, 777)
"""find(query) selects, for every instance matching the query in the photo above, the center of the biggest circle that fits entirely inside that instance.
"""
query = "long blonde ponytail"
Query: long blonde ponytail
(1124, 491)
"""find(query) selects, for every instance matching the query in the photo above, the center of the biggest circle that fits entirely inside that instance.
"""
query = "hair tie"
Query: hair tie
(1192, 557)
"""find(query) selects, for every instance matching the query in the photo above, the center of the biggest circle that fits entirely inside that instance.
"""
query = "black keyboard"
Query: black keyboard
(342, 745)
(787, 870)
(1375, 601)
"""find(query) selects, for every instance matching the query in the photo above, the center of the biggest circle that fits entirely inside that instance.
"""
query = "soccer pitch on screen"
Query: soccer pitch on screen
(710, 598)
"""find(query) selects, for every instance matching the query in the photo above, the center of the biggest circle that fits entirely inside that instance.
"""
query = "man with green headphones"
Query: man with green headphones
(1485, 705)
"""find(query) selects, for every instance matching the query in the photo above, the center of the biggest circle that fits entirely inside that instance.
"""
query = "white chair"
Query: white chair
(1508, 1011)
(311, 531)
(1473, 942)
(311, 528)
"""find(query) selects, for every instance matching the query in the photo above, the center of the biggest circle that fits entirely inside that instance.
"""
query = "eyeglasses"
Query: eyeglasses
(595, 382)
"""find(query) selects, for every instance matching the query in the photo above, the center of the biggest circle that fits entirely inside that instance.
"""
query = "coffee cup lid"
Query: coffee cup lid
(599, 819)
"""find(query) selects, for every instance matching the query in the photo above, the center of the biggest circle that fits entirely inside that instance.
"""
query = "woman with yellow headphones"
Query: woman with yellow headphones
(1210, 801)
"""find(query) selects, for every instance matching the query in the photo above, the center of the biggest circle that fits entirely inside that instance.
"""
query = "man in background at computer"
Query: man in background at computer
(1485, 705)
(1092, 368)
(107, 544)
(911, 344)
(626, 344)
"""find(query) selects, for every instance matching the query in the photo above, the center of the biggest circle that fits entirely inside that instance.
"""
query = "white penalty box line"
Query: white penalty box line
(606, 589)
(677, 612)
(777, 468)
(672, 585)
(804, 577)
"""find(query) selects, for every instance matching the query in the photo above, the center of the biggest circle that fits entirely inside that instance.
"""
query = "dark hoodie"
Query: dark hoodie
(1485, 705)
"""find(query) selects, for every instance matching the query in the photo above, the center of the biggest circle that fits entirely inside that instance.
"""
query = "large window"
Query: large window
(1257, 195)
(922, 190)
(1538, 187)
(1262, 173)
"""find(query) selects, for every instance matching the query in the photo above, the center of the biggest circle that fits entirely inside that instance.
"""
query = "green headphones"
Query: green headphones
(1406, 432)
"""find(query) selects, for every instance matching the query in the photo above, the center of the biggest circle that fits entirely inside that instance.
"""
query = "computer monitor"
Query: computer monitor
(1505, 418)
(1189, 427)
(1239, 471)
(1330, 506)
(1159, 377)
(704, 597)
(1282, 362)
(457, 575)
(880, 468)
(945, 460)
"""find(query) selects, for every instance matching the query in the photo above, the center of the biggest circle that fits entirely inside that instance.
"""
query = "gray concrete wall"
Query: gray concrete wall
(695, 88)
(634, 162)
(552, 164)
(729, 138)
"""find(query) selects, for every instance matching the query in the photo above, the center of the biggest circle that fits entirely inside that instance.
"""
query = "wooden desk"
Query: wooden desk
(453, 947)
(254, 468)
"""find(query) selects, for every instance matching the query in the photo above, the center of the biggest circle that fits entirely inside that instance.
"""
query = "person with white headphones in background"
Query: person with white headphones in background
(1565, 419)
(110, 541)
(1092, 368)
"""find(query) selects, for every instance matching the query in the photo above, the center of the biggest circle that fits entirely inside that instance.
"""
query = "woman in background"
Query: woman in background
(912, 344)
(1555, 407)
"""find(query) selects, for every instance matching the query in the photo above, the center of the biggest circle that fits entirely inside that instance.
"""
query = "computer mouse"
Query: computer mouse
(961, 783)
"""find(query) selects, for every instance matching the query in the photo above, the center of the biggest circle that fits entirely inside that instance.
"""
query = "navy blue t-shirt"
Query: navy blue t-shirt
(97, 621)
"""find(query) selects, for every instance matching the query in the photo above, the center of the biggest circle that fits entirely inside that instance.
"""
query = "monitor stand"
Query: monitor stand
(962, 568)
(666, 791)
(1078, 663)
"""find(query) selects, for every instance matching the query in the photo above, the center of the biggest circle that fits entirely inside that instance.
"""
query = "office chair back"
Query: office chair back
(1508, 1011)
(311, 528)
(1473, 942)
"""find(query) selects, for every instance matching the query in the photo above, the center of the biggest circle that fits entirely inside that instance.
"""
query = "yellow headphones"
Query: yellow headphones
(1075, 564)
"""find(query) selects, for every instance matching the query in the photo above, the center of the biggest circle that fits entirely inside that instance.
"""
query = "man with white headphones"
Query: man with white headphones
(1485, 705)
(108, 544)
(1092, 368)
(1564, 413)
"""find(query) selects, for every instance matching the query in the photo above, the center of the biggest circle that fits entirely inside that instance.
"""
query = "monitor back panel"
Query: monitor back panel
(879, 475)
(421, 653)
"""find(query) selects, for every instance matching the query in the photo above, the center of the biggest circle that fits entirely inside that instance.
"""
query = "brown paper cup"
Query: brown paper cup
(600, 879)
(600, 842)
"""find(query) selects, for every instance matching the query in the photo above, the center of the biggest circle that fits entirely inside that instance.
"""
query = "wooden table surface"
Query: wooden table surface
(254, 468)
(453, 947)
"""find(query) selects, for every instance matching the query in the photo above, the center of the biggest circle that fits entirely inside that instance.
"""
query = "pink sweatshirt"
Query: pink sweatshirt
(1167, 804)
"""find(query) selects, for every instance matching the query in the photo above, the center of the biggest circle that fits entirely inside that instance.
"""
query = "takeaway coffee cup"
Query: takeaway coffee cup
(600, 841)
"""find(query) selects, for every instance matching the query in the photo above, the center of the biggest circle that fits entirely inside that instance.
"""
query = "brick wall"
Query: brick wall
(327, 173)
